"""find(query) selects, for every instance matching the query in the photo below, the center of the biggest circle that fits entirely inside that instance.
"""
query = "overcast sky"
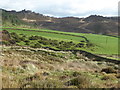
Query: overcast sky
(63, 8)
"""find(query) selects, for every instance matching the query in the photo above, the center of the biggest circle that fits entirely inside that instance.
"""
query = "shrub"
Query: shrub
(82, 41)
(37, 45)
(12, 41)
(76, 73)
(5, 42)
(41, 83)
(15, 37)
(108, 77)
(61, 42)
(27, 42)
(36, 38)
(22, 38)
(80, 45)
(89, 44)
(82, 81)
(108, 70)
(33, 38)
(117, 75)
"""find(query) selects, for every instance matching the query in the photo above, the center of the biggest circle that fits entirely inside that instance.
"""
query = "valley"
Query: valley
(40, 51)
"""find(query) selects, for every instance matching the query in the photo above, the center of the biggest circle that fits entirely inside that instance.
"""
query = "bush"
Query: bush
(89, 44)
(82, 81)
(82, 41)
(5, 42)
(80, 45)
(33, 38)
(42, 83)
(109, 77)
(36, 38)
(22, 38)
(37, 45)
(27, 41)
(117, 75)
(12, 41)
(109, 70)
(75, 74)
(15, 37)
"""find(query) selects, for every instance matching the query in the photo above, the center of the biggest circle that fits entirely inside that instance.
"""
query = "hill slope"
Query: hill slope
(105, 45)
(92, 24)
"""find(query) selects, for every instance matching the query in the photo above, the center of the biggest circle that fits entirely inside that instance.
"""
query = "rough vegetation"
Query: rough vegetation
(25, 67)
(38, 62)
(97, 44)
(42, 58)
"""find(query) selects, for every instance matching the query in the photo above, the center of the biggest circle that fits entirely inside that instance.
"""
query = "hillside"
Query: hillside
(56, 40)
(92, 24)
(32, 61)
(26, 67)
(39, 59)
(46, 52)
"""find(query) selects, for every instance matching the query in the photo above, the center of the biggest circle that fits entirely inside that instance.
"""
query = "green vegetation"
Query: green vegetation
(12, 20)
(30, 68)
(35, 57)
(102, 44)
(38, 42)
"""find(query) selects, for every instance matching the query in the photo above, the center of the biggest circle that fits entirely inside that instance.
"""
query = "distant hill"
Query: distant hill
(92, 24)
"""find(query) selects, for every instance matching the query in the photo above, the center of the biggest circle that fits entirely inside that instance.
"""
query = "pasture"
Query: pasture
(102, 44)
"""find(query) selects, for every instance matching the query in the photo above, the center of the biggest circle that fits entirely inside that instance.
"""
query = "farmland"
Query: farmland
(39, 51)
(41, 58)
(102, 44)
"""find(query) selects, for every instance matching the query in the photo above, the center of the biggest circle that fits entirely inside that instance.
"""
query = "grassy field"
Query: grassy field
(103, 44)
(29, 67)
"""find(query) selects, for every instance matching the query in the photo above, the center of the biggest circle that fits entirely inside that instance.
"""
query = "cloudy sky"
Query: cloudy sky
(63, 8)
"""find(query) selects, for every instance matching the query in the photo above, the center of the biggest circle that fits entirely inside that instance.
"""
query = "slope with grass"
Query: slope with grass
(28, 68)
(107, 45)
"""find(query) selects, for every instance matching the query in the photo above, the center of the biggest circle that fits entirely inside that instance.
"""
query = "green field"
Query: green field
(103, 44)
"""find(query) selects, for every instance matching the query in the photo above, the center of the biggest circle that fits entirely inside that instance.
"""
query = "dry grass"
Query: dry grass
(31, 69)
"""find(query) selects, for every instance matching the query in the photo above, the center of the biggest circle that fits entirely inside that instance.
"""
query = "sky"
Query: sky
(64, 8)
